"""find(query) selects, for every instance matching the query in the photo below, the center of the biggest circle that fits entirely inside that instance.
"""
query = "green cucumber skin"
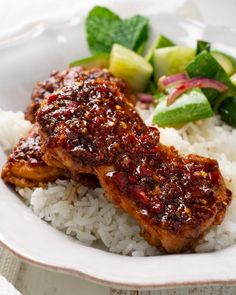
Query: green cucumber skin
(141, 48)
(190, 106)
(163, 41)
(224, 61)
(203, 45)
(227, 110)
(98, 60)
(230, 57)
(233, 79)
(204, 65)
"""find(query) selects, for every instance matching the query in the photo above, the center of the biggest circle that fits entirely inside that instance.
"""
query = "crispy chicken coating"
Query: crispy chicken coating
(91, 126)
(59, 79)
(56, 80)
(25, 166)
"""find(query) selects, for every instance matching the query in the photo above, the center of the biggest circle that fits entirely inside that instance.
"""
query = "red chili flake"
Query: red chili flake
(154, 150)
(145, 138)
(68, 112)
(146, 171)
(129, 139)
(214, 176)
(141, 195)
(121, 179)
(157, 207)
(52, 97)
(72, 104)
(131, 178)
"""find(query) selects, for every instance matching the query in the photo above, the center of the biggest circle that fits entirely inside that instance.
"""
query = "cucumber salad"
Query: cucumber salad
(183, 84)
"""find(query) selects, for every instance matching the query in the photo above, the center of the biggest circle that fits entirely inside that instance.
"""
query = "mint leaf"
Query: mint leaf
(104, 28)
(132, 32)
(100, 23)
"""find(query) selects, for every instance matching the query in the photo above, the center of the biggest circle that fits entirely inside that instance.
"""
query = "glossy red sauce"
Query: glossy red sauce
(93, 121)
(57, 80)
(170, 188)
(28, 150)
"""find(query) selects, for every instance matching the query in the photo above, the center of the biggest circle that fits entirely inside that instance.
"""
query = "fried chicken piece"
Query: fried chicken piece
(59, 79)
(91, 125)
(22, 172)
(56, 80)
(25, 166)
(172, 210)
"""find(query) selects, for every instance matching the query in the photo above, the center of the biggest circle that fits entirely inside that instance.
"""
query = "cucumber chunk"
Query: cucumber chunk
(130, 66)
(204, 65)
(189, 107)
(203, 45)
(96, 61)
(224, 61)
(233, 79)
(160, 42)
(227, 111)
(171, 60)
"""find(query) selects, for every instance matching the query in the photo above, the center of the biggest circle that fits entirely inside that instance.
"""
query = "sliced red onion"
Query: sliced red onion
(195, 83)
(145, 98)
(165, 81)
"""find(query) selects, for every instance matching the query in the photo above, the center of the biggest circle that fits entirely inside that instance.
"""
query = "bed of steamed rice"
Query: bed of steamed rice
(86, 214)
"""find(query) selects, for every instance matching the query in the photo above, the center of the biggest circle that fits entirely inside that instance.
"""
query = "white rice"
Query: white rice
(86, 214)
(90, 218)
(12, 127)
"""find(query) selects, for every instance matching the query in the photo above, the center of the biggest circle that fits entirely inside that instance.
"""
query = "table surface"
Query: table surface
(14, 14)
(35, 281)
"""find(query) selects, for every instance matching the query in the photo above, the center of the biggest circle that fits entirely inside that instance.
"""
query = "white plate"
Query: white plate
(31, 57)
(7, 288)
